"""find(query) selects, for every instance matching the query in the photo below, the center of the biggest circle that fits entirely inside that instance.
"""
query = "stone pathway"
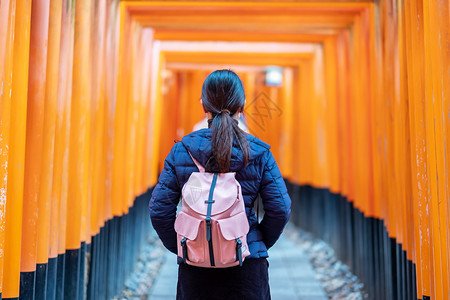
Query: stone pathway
(291, 275)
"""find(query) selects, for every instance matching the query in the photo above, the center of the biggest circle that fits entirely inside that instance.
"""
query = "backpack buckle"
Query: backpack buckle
(208, 228)
(184, 247)
(239, 251)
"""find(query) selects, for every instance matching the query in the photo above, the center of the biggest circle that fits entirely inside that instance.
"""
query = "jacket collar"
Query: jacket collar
(198, 143)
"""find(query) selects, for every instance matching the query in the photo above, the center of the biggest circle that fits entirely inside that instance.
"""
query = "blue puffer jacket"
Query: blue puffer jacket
(261, 176)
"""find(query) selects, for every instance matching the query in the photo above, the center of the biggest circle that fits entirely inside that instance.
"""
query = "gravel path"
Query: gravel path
(139, 284)
(335, 277)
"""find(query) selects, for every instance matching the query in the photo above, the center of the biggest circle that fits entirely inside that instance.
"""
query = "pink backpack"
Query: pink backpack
(212, 225)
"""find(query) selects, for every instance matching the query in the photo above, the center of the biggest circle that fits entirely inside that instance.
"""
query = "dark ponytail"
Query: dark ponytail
(223, 96)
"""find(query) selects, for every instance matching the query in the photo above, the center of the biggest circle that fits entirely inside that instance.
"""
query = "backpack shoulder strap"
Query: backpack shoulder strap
(199, 166)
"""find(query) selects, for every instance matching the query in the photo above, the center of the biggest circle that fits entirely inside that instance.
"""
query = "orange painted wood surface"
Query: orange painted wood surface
(6, 50)
(17, 138)
(87, 123)
(48, 239)
(32, 206)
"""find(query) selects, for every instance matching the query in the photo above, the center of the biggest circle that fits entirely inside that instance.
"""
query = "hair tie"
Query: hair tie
(224, 111)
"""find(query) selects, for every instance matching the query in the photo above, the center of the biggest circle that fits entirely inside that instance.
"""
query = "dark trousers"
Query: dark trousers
(249, 282)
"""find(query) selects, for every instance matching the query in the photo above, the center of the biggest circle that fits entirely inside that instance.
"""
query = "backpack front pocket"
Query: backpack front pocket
(233, 238)
(190, 238)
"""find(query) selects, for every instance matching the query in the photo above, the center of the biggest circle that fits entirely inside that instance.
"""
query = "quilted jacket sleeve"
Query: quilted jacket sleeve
(276, 201)
(164, 201)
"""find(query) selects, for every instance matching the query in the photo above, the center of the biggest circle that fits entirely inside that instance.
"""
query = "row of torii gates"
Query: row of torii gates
(93, 93)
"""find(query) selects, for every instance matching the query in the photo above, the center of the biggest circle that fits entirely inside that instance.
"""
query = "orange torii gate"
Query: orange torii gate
(83, 130)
